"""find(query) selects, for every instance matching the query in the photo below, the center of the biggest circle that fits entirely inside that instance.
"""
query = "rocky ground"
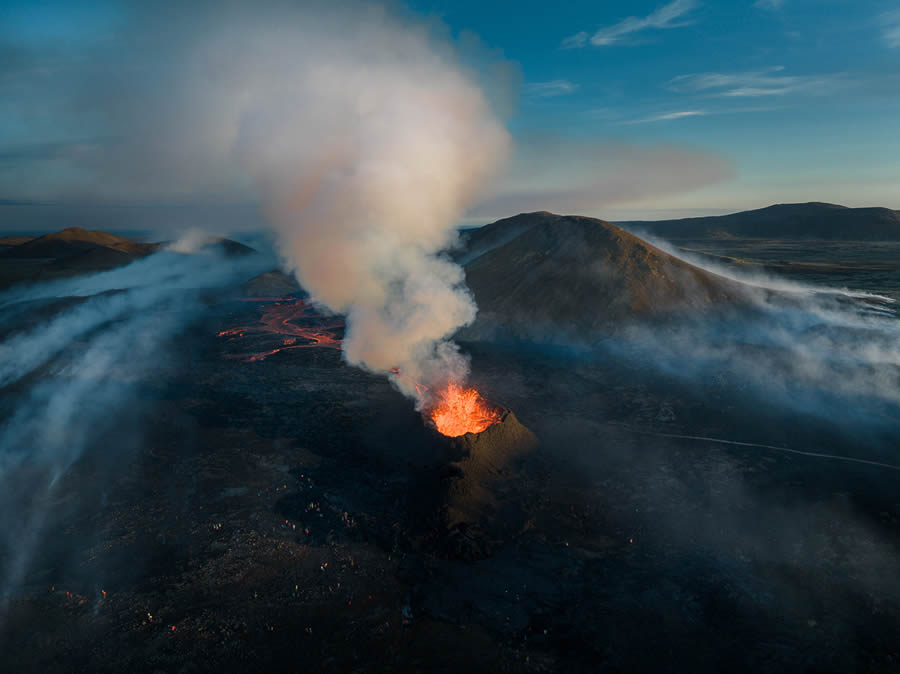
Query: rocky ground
(289, 514)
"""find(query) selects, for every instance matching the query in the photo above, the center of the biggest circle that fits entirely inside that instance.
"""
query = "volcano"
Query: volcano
(540, 274)
(479, 504)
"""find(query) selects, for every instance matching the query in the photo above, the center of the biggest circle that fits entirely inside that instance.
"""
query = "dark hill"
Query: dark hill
(231, 248)
(555, 275)
(784, 221)
(75, 241)
(76, 251)
(97, 258)
(272, 284)
(14, 240)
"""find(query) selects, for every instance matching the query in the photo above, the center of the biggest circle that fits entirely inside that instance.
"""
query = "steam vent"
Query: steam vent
(479, 506)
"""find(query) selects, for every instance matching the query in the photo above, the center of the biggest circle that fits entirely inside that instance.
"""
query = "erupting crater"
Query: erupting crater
(460, 410)
(455, 410)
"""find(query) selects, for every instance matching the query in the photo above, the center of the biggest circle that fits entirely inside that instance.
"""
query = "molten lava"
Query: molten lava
(295, 324)
(462, 410)
(286, 321)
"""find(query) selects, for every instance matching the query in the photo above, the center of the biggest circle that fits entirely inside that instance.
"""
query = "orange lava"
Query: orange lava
(462, 410)
(285, 321)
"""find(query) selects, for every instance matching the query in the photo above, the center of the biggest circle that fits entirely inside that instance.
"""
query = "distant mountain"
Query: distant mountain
(231, 248)
(74, 242)
(540, 275)
(76, 251)
(10, 241)
(783, 221)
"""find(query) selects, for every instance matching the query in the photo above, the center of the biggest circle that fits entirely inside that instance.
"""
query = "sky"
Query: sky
(620, 110)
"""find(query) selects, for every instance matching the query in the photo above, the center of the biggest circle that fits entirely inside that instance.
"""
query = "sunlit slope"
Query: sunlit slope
(555, 274)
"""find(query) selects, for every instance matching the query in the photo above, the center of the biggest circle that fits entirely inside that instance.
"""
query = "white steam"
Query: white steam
(367, 141)
(80, 370)
(360, 130)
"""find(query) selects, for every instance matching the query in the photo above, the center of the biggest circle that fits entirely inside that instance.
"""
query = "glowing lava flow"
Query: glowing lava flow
(279, 319)
(456, 410)
(462, 410)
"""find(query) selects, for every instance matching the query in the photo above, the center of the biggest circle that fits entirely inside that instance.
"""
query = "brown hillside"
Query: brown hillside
(76, 241)
(14, 240)
(577, 275)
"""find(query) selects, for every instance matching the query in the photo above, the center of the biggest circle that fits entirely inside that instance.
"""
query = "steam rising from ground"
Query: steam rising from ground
(91, 360)
(368, 144)
(828, 352)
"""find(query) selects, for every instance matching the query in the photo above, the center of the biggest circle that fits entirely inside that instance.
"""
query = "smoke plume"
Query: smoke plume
(364, 132)
(367, 145)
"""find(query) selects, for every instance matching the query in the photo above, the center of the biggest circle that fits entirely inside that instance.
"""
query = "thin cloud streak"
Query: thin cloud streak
(661, 18)
(705, 112)
(564, 174)
(755, 84)
(550, 89)
(890, 23)
(665, 117)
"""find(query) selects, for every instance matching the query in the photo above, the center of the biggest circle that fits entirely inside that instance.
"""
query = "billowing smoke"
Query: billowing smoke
(368, 144)
(364, 132)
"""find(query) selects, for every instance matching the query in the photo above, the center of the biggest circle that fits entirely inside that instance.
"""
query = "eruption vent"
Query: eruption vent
(462, 410)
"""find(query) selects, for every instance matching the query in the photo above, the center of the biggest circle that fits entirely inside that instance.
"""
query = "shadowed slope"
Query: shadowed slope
(12, 241)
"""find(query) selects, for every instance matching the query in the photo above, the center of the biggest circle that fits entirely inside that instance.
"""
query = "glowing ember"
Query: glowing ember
(462, 410)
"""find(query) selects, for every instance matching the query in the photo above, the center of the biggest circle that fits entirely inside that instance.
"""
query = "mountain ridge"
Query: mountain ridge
(75, 241)
(813, 220)
(75, 250)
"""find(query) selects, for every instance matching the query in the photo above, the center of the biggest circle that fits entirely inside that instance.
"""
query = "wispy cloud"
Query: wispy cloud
(550, 88)
(581, 175)
(668, 16)
(890, 24)
(683, 114)
(769, 82)
(771, 5)
(667, 116)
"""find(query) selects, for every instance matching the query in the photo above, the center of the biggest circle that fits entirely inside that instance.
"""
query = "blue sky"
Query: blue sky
(639, 109)
(801, 96)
